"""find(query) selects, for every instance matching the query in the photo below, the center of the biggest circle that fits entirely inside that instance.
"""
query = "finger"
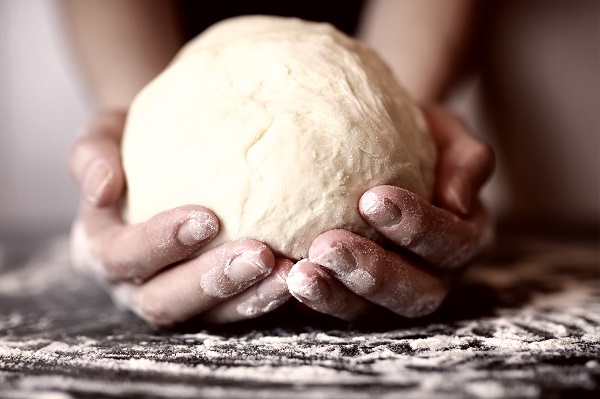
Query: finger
(261, 298)
(193, 287)
(435, 234)
(382, 277)
(464, 162)
(315, 288)
(95, 162)
(119, 252)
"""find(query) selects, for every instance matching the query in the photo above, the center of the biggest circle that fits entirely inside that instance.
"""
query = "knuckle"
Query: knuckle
(463, 250)
(118, 272)
(459, 258)
(83, 257)
(154, 312)
(369, 284)
(120, 269)
(127, 264)
(426, 304)
(484, 156)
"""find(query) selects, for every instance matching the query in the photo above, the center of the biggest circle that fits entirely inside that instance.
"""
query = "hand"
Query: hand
(349, 276)
(147, 267)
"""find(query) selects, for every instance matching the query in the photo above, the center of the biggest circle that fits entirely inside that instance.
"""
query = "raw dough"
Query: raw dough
(278, 125)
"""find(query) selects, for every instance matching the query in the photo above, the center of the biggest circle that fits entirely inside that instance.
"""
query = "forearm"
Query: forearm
(121, 44)
(426, 42)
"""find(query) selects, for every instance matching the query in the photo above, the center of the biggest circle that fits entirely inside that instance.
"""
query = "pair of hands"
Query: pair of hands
(147, 268)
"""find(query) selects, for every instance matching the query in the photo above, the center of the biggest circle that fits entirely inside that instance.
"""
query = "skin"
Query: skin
(427, 43)
(148, 268)
(349, 276)
(133, 262)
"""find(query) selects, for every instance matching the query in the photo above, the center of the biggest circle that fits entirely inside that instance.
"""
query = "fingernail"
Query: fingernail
(196, 230)
(271, 293)
(380, 211)
(256, 306)
(339, 259)
(459, 192)
(274, 287)
(307, 287)
(242, 268)
(96, 179)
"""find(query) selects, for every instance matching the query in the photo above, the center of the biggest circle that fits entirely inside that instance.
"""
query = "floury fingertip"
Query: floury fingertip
(196, 230)
(242, 268)
(339, 259)
(306, 286)
(380, 211)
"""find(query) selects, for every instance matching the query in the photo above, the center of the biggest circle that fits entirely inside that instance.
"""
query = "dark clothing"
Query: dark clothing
(344, 14)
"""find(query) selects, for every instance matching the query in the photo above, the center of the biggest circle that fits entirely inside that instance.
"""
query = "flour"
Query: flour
(83, 257)
(256, 306)
(271, 293)
(215, 284)
(305, 286)
(37, 274)
(339, 259)
(360, 281)
(549, 341)
(372, 204)
(197, 228)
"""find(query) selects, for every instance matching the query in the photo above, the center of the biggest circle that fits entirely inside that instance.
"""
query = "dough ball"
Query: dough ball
(278, 125)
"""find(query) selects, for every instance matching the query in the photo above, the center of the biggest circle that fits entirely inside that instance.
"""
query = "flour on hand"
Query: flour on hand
(278, 125)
